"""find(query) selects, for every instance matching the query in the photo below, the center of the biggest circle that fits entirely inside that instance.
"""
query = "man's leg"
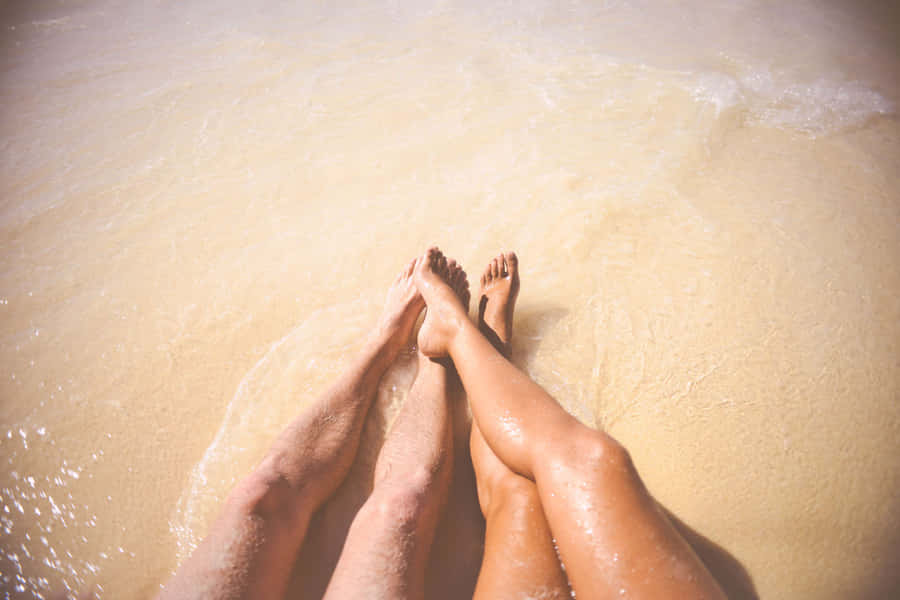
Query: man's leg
(458, 545)
(387, 548)
(519, 558)
(613, 538)
(252, 546)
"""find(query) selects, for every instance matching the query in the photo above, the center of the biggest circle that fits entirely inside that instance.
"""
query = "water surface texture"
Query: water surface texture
(202, 204)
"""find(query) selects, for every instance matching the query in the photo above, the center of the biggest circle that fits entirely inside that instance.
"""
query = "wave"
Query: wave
(815, 108)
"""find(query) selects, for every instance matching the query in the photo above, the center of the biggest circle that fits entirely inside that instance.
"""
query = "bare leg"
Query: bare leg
(458, 546)
(387, 548)
(613, 538)
(252, 546)
(519, 559)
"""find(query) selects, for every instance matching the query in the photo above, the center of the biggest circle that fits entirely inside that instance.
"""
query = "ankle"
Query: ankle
(462, 336)
(383, 346)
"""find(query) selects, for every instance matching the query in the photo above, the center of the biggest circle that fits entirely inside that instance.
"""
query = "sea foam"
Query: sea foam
(817, 107)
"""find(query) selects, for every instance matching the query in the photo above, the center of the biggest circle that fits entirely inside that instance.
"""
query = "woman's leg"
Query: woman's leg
(387, 548)
(252, 546)
(519, 558)
(613, 538)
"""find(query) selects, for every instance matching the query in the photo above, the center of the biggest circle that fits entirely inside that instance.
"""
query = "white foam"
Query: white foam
(814, 107)
(822, 106)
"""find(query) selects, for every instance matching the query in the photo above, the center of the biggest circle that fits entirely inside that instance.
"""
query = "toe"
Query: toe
(512, 262)
(433, 257)
(452, 270)
(461, 282)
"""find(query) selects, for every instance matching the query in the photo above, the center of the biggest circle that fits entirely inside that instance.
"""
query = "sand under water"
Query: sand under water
(202, 205)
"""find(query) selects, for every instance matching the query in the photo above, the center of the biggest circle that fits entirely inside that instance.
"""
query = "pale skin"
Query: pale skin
(251, 548)
(613, 538)
(386, 552)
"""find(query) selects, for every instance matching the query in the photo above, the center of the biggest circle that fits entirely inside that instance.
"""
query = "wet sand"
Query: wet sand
(202, 207)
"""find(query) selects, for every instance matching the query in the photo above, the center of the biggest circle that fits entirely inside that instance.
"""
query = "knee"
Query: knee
(590, 455)
(508, 492)
(401, 504)
(603, 454)
(269, 496)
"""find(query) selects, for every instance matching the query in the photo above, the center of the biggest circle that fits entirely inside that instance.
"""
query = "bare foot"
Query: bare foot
(445, 288)
(401, 310)
(499, 289)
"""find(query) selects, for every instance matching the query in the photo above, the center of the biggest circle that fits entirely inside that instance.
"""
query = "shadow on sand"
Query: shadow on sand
(730, 573)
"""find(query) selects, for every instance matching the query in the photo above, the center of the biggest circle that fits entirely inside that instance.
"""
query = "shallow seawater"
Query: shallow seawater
(203, 203)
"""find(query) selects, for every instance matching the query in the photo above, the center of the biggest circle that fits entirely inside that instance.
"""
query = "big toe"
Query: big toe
(510, 263)
(429, 263)
(410, 268)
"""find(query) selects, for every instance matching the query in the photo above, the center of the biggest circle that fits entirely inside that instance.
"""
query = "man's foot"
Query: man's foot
(445, 288)
(401, 310)
(499, 289)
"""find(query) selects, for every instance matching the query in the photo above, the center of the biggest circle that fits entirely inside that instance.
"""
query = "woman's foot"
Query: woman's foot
(445, 289)
(499, 289)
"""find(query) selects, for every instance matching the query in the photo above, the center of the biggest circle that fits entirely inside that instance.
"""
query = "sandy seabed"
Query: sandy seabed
(202, 205)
